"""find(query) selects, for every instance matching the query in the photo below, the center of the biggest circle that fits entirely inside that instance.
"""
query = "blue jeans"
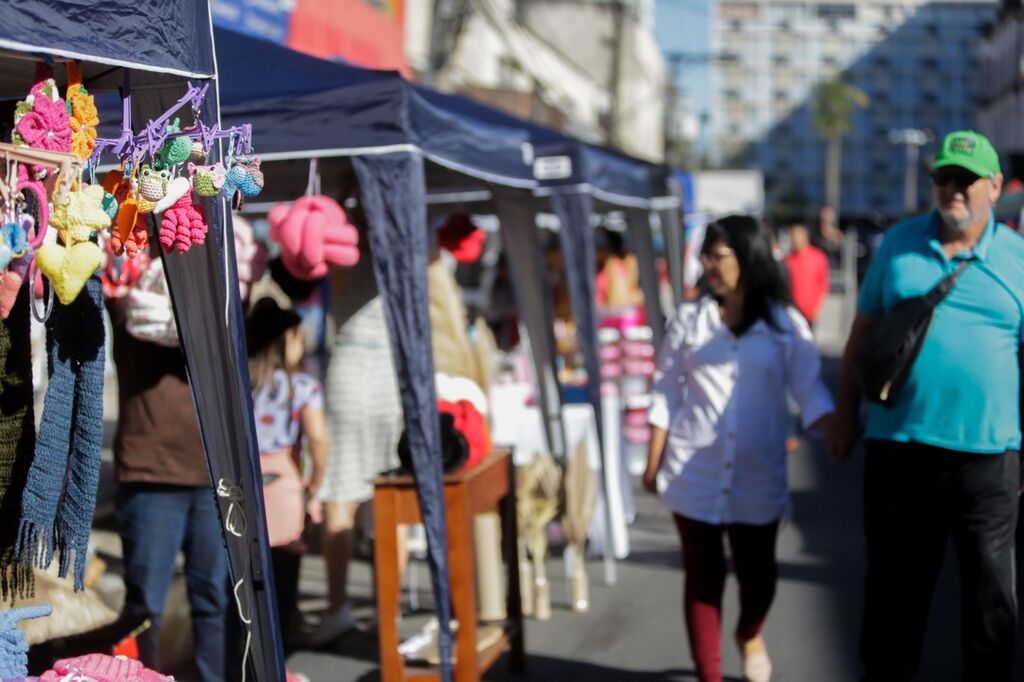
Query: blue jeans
(154, 522)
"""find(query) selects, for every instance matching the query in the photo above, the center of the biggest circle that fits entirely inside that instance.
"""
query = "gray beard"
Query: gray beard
(955, 224)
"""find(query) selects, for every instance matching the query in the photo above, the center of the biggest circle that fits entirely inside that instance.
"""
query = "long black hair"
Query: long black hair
(760, 274)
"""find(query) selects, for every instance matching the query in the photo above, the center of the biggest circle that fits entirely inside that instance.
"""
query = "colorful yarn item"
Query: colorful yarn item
(252, 184)
(101, 668)
(183, 225)
(152, 183)
(69, 266)
(233, 178)
(314, 234)
(177, 148)
(59, 496)
(13, 647)
(83, 116)
(135, 240)
(176, 189)
(207, 181)
(41, 120)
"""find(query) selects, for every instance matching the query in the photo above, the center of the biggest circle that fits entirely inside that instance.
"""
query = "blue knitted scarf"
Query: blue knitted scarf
(17, 442)
(60, 494)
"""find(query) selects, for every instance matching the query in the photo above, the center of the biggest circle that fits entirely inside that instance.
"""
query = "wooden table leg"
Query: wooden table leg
(386, 562)
(510, 538)
(463, 583)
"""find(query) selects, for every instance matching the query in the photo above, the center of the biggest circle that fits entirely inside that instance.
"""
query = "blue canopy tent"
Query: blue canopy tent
(156, 46)
(396, 139)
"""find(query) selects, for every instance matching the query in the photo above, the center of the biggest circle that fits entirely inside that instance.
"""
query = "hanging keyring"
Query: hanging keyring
(33, 269)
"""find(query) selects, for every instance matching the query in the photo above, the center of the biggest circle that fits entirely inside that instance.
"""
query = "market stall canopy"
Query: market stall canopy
(303, 107)
(106, 37)
(155, 47)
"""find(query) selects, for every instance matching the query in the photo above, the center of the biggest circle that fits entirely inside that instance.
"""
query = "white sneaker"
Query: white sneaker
(334, 625)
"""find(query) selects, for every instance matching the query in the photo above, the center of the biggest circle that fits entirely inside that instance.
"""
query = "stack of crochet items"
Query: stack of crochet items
(102, 668)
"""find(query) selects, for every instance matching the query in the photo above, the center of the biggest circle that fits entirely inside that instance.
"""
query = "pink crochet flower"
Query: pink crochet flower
(47, 126)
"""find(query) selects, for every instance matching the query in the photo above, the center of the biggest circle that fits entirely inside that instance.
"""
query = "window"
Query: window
(836, 12)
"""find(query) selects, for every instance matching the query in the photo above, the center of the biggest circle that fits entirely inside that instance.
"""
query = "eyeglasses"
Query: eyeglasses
(960, 177)
(716, 257)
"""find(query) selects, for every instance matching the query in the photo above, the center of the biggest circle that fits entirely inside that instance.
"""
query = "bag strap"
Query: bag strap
(946, 284)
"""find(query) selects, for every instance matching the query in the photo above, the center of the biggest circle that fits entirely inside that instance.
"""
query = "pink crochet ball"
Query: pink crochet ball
(314, 235)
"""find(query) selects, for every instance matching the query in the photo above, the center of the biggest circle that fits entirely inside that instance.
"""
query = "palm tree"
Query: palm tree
(833, 105)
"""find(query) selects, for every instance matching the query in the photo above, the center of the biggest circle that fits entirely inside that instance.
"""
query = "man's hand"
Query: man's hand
(842, 436)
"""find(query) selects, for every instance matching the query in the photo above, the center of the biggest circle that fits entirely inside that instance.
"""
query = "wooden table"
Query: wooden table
(466, 493)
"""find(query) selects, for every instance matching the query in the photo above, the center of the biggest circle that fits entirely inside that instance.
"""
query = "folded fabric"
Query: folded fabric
(473, 427)
(314, 235)
(102, 668)
(460, 237)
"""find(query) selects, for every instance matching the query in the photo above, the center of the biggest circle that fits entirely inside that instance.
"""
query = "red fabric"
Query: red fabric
(462, 238)
(809, 280)
(471, 424)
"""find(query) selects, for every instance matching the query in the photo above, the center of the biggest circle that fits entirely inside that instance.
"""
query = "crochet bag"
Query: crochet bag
(314, 235)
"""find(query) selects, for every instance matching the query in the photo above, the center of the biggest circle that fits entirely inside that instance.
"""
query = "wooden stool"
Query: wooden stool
(466, 493)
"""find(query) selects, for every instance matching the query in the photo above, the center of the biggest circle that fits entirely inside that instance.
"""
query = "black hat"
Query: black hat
(266, 323)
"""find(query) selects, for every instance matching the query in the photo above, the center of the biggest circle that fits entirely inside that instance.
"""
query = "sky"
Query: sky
(685, 26)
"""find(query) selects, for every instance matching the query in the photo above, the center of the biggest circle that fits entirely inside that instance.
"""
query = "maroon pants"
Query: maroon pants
(753, 560)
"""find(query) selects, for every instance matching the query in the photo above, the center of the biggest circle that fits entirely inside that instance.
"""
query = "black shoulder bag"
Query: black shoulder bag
(889, 350)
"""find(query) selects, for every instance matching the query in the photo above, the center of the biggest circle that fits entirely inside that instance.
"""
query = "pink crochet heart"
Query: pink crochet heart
(314, 235)
(10, 285)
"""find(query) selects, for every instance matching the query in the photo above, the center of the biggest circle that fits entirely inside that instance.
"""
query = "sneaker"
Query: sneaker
(334, 625)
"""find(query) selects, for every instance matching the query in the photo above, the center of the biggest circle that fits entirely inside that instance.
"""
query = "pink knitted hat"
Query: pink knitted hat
(314, 235)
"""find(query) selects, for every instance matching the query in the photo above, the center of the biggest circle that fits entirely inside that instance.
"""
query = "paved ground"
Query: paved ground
(634, 629)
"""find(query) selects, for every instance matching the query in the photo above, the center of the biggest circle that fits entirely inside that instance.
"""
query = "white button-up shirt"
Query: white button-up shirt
(722, 398)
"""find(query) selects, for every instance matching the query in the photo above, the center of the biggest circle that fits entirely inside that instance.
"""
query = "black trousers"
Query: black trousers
(916, 497)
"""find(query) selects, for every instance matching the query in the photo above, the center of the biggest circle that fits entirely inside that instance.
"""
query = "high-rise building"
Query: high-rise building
(1002, 100)
(916, 60)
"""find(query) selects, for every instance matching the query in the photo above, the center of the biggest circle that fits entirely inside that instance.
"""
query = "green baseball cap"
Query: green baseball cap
(970, 150)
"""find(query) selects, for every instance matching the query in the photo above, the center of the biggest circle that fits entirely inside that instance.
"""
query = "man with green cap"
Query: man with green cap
(943, 455)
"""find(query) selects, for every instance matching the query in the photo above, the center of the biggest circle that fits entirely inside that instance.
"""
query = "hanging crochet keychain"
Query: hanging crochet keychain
(41, 119)
(83, 117)
(69, 265)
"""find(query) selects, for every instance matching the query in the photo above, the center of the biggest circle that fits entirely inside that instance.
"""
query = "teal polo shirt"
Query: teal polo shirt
(963, 392)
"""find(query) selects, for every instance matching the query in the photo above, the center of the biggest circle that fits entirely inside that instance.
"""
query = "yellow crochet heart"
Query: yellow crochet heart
(82, 215)
(69, 267)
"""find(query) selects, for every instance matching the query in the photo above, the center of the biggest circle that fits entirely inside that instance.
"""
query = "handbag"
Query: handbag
(890, 348)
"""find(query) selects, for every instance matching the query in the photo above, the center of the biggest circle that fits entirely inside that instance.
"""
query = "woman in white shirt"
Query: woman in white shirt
(718, 448)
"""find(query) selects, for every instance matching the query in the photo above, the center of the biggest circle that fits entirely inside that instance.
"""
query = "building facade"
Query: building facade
(1002, 92)
(917, 61)
(592, 68)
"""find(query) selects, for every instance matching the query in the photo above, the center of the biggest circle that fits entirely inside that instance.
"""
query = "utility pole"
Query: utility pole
(445, 26)
(675, 68)
(914, 139)
(618, 12)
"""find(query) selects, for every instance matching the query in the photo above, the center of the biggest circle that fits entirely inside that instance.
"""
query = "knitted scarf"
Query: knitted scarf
(17, 442)
(60, 494)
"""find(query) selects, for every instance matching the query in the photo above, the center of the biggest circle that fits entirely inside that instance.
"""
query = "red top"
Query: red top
(808, 279)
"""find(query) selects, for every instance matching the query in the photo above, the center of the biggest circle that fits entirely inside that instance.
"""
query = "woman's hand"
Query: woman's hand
(651, 481)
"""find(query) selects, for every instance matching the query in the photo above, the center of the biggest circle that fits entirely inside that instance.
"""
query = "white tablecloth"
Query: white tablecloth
(520, 426)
